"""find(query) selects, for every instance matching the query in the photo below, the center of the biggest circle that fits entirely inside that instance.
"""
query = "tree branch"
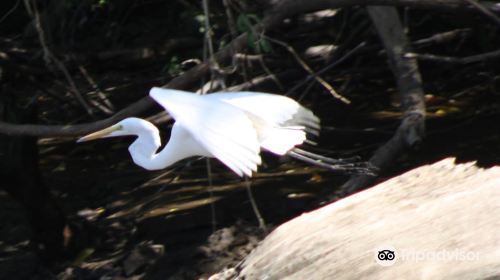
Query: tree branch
(405, 70)
(280, 10)
(456, 60)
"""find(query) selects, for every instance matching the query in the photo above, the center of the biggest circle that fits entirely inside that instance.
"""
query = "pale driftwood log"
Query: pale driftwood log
(441, 207)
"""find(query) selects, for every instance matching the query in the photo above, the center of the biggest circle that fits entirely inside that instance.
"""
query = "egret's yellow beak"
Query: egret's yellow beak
(100, 134)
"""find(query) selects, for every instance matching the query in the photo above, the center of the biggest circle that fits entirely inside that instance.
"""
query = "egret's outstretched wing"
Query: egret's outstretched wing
(280, 121)
(274, 108)
(224, 130)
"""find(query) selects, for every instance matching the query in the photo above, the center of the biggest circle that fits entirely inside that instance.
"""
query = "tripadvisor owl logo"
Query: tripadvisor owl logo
(385, 255)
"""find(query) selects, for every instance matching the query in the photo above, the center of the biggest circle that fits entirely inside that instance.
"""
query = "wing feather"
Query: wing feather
(222, 129)
(280, 121)
(274, 108)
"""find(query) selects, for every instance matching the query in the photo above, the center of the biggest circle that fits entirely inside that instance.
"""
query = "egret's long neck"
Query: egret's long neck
(144, 148)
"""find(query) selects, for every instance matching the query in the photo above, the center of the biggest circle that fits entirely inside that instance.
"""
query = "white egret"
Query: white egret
(230, 126)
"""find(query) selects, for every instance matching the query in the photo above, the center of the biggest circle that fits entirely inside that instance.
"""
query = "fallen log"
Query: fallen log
(441, 221)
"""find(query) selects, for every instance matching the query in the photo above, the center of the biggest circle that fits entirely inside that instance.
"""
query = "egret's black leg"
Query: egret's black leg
(354, 159)
(344, 166)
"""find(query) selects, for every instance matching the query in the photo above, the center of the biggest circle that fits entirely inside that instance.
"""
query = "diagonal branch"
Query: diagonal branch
(405, 70)
(49, 56)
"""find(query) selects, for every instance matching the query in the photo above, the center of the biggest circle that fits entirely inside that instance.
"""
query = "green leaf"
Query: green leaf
(265, 46)
(243, 23)
(251, 41)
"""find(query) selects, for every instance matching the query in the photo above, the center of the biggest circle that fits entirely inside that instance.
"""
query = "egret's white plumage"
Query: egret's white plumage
(280, 122)
(221, 130)
(232, 127)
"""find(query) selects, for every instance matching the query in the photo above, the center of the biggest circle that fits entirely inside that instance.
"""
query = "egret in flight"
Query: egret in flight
(230, 126)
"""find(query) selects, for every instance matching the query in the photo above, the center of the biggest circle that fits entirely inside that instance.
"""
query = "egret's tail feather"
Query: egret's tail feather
(350, 165)
(280, 140)
(304, 117)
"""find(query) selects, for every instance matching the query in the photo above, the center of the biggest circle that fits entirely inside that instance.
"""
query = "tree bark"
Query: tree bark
(405, 69)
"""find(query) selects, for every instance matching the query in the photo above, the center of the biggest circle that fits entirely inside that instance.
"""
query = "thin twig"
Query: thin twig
(211, 194)
(109, 106)
(329, 67)
(441, 38)
(101, 107)
(457, 60)
(231, 23)
(306, 67)
(262, 222)
(270, 73)
(484, 10)
(49, 57)
(212, 62)
(267, 80)
(9, 12)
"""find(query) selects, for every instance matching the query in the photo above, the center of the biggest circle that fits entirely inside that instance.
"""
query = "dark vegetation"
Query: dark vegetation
(70, 67)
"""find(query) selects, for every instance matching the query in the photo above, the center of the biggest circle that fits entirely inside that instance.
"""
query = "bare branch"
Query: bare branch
(484, 10)
(456, 60)
(280, 10)
(330, 66)
(49, 57)
(405, 70)
(308, 69)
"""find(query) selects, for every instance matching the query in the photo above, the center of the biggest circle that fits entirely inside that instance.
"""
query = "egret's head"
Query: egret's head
(128, 126)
